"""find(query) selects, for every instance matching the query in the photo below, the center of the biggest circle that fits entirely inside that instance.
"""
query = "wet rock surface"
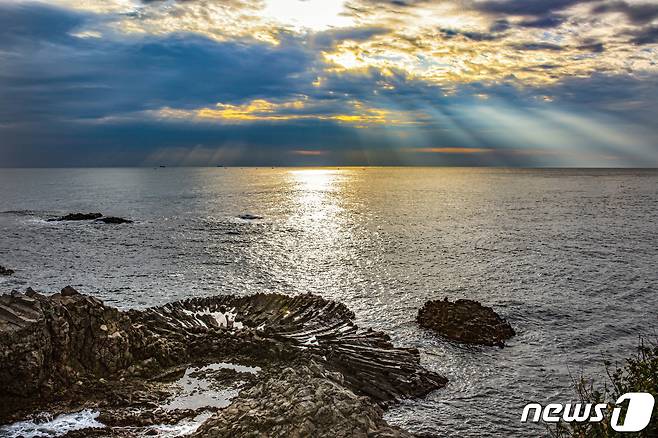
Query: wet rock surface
(6, 271)
(317, 371)
(315, 326)
(465, 321)
(301, 401)
(76, 217)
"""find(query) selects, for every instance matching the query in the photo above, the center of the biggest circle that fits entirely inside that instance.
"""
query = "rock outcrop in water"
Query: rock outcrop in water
(6, 271)
(321, 374)
(114, 220)
(249, 217)
(76, 217)
(465, 321)
(96, 217)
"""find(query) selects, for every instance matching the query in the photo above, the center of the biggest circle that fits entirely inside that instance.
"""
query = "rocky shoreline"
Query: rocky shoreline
(267, 365)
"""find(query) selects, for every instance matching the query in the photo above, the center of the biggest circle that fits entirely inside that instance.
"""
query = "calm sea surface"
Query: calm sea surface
(568, 256)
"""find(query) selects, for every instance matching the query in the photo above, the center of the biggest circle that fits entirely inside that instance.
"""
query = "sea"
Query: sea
(568, 256)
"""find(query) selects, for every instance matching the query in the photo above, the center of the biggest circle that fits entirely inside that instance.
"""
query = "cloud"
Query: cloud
(311, 153)
(526, 7)
(448, 150)
(645, 35)
(546, 21)
(57, 75)
(537, 46)
(638, 13)
(260, 110)
(31, 24)
(117, 82)
(330, 38)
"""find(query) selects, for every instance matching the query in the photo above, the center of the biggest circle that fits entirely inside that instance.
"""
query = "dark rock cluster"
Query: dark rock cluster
(76, 217)
(96, 217)
(321, 374)
(6, 271)
(114, 220)
(465, 321)
(250, 217)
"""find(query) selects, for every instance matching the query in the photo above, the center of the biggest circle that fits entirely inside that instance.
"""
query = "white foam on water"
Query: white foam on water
(53, 427)
(182, 428)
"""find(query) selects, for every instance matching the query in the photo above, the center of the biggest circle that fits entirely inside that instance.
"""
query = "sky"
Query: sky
(329, 82)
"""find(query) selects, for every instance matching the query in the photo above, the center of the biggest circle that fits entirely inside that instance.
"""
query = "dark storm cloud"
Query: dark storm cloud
(52, 74)
(23, 24)
(536, 46)
(638, 13)
(474, 36)
(329, 38)
(396, 3)
(644, 35)
(526, 7)
(592, 46)
(82, 100)
(624, 96)
(543, 21)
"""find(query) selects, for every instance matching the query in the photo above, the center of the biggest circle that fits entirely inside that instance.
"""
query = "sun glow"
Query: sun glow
(308, 14)
(260, 110)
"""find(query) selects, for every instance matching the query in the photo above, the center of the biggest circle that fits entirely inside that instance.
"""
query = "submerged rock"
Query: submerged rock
(465, 321)
(76, 217)
(321, 374)
(6, 271)
(114, 220)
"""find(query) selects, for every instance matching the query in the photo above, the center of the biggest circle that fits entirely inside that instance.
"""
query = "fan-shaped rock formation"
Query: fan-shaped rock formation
(331, 375)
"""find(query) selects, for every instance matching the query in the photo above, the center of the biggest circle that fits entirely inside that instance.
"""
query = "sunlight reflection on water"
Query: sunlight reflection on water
(554, 251)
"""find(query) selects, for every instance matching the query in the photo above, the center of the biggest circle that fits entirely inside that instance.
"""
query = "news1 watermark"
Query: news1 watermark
(638, 412)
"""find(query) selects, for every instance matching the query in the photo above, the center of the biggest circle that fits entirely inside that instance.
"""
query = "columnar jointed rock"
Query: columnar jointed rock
(299, 402)
(46, 343)
(370, 363)
(49, 343)
(6, 271)
(465, 321)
